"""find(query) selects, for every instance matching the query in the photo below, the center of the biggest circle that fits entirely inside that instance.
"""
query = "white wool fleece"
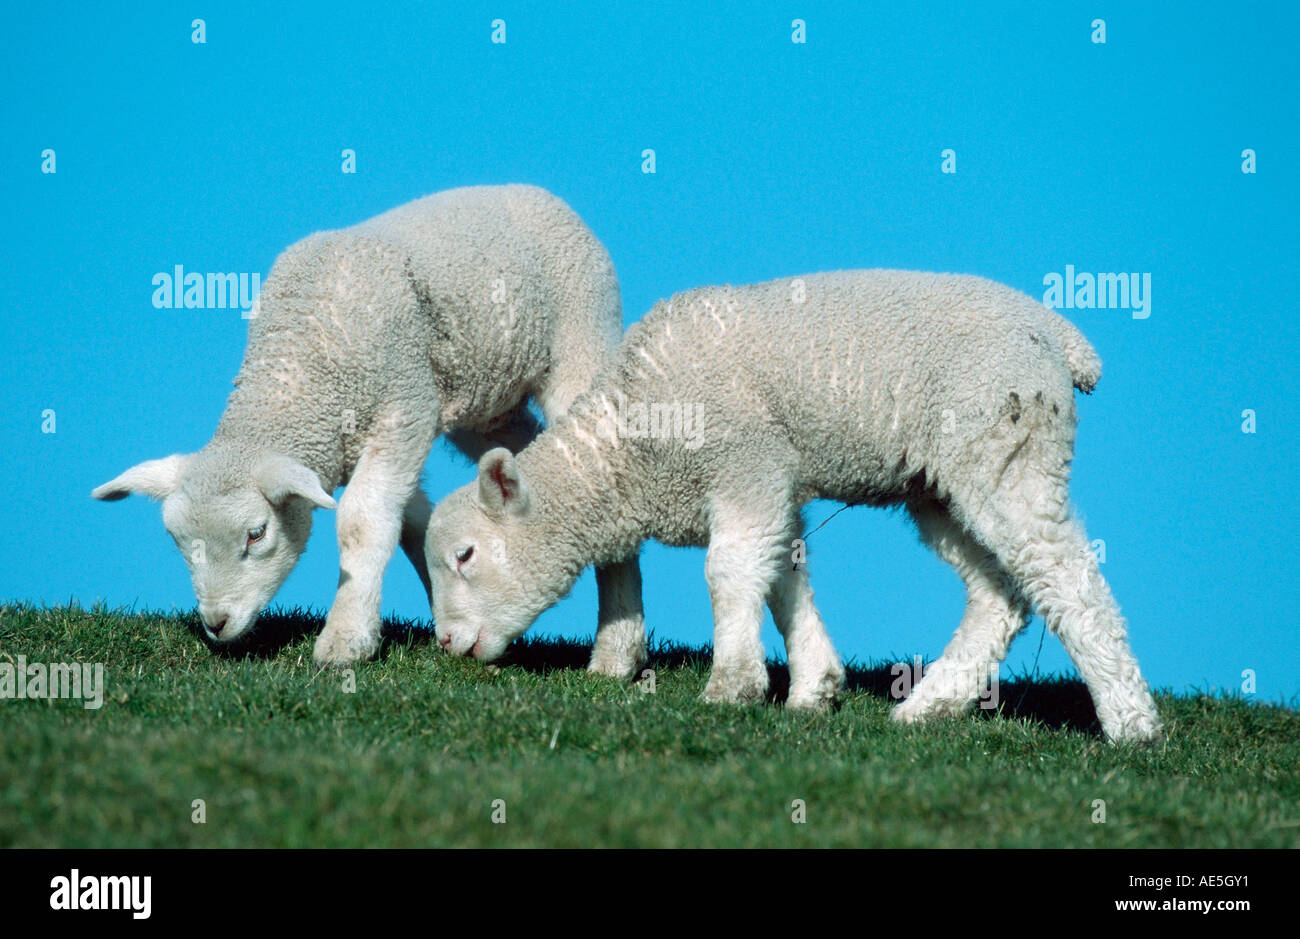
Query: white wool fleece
(727, 409)
(445, 314)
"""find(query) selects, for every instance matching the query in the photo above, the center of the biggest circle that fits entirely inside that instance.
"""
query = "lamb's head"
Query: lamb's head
(492, 566)
(240, 524)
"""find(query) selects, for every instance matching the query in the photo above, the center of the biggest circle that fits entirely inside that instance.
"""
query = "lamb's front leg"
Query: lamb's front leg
(369, 525)
(745, 549)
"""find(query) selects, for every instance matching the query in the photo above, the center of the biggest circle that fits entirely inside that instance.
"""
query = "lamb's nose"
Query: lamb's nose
(219, 625)
(444, 641)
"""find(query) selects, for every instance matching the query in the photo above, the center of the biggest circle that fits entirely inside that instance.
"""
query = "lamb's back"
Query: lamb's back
(463, 282)
(868, 376)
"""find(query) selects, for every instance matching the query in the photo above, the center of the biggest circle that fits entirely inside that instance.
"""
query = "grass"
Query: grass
(416, 756)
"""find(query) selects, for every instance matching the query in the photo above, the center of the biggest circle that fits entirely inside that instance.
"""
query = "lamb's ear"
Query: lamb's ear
(500, 489)
(280, 477)
(156, 479)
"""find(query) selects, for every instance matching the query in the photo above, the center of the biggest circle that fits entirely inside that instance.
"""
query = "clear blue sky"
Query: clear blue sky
(773, 158)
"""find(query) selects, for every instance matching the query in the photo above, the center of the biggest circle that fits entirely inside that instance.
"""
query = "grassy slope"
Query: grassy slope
(284, 757)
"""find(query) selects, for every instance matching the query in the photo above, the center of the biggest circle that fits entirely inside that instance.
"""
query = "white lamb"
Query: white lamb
(447, 313)
(951, 395)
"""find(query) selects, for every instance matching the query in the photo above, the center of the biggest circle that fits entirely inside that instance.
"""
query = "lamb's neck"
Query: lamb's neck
(263, 415)
(581, 483)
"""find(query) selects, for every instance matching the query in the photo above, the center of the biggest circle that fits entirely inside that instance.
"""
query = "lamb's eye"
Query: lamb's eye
(464, 554)
(255, 534)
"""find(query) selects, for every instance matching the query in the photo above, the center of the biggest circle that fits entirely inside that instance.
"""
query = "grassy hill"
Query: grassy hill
(419, 753)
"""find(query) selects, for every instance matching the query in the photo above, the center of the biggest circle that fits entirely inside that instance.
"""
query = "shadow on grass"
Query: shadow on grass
(278, 628)
(1056, 702)
(549, 653)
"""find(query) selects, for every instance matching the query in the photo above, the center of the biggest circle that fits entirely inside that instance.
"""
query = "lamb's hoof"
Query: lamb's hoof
(336, 649)
(809, 701)
(1138, 730)
(821, 695)
(736, 686)
(919, 709)
(623, 667)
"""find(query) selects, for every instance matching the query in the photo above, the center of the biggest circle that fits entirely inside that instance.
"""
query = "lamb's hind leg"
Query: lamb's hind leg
(816, 673)
(620, 647)
(1029, 527)
(415, 524)
(994, 615)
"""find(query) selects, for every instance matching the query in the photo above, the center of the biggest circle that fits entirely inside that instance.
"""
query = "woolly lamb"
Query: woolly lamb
(447, 313)
(727, 409)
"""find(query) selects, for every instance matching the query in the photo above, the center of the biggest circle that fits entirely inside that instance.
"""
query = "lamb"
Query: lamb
(446, 314)
(949, 395)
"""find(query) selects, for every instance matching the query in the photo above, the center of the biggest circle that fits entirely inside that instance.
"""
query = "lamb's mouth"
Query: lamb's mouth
(472, 651)
(229, 635)
(231, 627)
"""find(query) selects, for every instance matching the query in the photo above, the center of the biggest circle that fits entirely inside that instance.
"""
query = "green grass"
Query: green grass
(283, 756)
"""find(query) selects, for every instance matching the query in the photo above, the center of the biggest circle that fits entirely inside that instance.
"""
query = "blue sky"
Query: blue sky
(772, 158)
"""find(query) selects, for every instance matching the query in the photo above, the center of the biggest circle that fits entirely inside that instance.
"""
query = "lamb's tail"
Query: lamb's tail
(1085, 364)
